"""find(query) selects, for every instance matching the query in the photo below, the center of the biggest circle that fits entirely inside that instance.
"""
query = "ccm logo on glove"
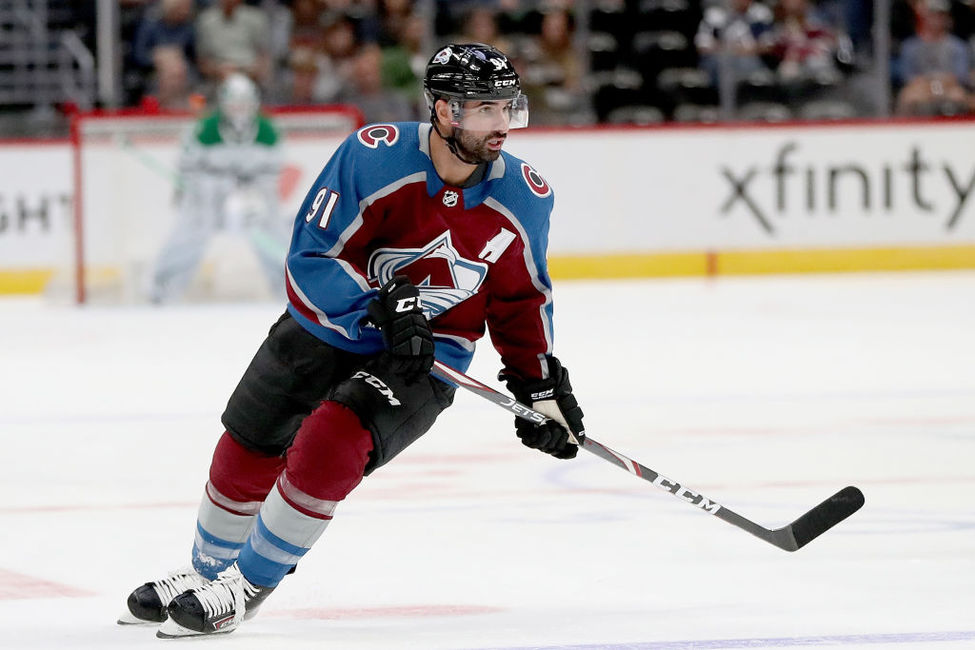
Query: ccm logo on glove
(560, 435)
(408, 304)
(406, 333)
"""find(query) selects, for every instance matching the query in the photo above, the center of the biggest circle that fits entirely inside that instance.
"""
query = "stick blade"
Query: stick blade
(824, 516)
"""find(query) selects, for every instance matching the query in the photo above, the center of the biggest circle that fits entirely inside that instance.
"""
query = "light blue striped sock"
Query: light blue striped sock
(289, 523)
(221, 531)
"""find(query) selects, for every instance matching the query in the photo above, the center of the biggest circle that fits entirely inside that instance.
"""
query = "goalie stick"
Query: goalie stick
(789, 538)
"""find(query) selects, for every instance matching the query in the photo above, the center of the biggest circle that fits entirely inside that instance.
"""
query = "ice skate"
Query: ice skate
(147, 604)
(214, 608)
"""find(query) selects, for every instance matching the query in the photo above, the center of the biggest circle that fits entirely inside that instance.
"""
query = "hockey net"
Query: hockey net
(126, 181)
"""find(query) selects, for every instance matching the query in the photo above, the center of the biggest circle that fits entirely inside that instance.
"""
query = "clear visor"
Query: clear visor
(490, 115)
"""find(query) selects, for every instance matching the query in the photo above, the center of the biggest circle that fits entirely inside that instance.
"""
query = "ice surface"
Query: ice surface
(765, 394)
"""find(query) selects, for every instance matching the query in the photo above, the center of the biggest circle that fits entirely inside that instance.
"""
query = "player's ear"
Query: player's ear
(442, 110)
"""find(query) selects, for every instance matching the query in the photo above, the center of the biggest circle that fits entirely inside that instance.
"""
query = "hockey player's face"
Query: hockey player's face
(480, 146)
(480, 128)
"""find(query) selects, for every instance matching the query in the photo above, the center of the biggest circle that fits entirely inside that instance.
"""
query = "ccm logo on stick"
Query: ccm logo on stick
(379, 385)
(682, 492)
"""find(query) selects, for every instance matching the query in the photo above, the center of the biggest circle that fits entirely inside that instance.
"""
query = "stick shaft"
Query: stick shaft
(810, 525)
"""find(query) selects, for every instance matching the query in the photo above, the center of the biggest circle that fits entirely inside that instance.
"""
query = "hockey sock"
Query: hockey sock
(326, 461)
(239, 482)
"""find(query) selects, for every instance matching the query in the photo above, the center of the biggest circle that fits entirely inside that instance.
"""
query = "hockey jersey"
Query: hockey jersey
(212, 148)
(477, 254)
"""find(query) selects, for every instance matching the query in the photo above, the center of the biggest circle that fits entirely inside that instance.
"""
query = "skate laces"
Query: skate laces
(176, 583)
(229, 593)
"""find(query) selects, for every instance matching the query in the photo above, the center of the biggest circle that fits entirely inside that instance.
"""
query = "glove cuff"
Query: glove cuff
(529, 391)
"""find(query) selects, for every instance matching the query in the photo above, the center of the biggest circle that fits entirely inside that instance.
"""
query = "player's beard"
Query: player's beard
(472, 145)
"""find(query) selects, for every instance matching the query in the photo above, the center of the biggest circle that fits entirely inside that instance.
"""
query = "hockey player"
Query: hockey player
(413, 238)
(229, 169)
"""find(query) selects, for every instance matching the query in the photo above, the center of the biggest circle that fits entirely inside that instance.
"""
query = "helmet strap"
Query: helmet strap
(451, 142)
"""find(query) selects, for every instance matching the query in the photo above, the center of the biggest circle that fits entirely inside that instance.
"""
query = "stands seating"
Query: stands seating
(764, 112)
(656, 50)
(618, 87)
(603, 51)
(43, 61)
(697, 113)
(687, 85)
(827, 110)
(669, 15)
(639, 115)
(609, 16)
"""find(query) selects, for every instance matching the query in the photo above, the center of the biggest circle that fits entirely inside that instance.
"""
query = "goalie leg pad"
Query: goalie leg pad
(395, 413)
(289, 376)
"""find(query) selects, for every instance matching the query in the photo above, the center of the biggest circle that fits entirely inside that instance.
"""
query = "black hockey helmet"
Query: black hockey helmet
(474, 71)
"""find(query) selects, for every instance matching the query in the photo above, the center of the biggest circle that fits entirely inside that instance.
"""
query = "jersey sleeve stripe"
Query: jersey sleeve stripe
(457, 340)
(307, 308)
(532, 268)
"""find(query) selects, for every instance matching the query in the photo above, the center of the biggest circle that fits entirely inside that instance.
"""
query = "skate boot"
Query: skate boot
(214, 608)
(147, 604)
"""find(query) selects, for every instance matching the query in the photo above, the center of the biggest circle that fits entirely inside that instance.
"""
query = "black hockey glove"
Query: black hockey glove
(561, 434)
(398, 314)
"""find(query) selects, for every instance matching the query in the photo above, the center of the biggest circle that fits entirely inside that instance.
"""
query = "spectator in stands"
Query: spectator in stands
(392, 18)
(165, 45)
(802, 45)
(935, 65)
(404, 56)
(306, 26)
(481, 26)
(367, 91)
(306, 45)
(233, 37)
(552, 72)
(320, 74)
(857, 17)
(739, 29)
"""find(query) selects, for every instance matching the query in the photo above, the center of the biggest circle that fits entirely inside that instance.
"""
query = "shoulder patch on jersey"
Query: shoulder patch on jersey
(538, 185)
(373, 134)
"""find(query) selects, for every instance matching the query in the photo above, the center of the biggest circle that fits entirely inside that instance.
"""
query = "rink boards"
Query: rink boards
(630, 202)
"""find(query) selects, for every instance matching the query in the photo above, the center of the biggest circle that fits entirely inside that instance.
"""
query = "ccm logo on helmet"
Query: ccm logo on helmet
(372, 135)
(536, 183)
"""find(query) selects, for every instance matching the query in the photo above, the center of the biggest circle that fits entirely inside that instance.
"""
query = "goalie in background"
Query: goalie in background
(228, 182)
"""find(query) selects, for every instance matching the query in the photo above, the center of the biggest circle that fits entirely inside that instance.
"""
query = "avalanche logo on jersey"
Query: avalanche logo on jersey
(371, 136)
(536, 183)
(448, 278)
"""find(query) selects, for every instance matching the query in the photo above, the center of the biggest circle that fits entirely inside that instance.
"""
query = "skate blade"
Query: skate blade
(128, 619)
(173, 630)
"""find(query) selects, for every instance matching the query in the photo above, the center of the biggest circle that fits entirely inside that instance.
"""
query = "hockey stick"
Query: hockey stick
(789, 538)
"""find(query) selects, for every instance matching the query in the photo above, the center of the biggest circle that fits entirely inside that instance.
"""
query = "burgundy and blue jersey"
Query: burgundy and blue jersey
(477, 254)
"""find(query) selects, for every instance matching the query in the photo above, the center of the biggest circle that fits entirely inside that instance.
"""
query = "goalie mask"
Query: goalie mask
(238, 102)
(480, 85)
